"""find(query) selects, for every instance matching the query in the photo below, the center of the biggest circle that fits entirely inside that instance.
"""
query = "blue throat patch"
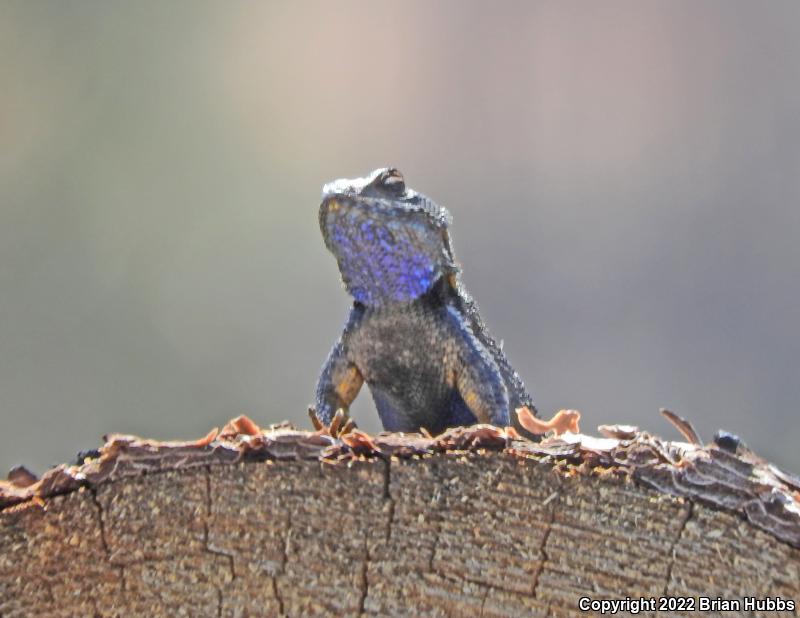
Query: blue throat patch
(385, 257)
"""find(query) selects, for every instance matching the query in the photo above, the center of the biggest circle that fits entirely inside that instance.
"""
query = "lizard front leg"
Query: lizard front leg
(475, 374)
(340, 380)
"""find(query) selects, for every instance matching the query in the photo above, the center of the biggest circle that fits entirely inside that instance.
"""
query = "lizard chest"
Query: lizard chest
(406, 352)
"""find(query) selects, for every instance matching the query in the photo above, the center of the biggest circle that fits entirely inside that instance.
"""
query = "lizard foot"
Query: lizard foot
(341, 424)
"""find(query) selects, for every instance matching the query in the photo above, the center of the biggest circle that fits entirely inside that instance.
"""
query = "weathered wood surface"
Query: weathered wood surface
(472, 529)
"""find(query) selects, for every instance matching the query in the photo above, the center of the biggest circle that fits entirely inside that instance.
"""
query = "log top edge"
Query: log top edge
(725, 475)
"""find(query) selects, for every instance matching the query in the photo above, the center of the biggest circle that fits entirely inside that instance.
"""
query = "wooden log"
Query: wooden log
(472, 523)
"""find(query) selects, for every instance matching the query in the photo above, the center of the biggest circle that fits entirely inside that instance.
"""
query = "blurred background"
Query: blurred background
(624, 180)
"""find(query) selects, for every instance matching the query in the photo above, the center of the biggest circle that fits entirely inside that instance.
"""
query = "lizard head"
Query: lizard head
(390, 242)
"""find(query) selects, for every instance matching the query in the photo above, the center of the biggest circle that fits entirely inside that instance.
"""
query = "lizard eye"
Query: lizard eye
(392, 180)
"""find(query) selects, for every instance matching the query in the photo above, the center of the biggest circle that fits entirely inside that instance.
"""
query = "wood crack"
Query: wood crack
(681, 528)
(543, 546)
(208, 548)
(100, 522)
(277, 594)
(276, 589)
(363, 579)
(387, 496)
(483, 600)
(101, 526)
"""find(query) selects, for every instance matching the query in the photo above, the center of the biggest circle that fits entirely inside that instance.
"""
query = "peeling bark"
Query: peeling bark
(467, 524)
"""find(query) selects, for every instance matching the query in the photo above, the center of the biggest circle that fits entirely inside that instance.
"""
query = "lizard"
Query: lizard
(414, 334)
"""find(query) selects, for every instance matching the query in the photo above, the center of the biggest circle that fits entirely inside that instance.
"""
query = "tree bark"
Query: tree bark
(302, 524)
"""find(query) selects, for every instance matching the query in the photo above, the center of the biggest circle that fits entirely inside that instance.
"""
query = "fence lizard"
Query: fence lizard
(414, 334)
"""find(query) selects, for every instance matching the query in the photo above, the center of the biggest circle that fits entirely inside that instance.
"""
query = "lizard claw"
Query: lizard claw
(337, 422)
(341, 424)
(348, 427)
(312, 414)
